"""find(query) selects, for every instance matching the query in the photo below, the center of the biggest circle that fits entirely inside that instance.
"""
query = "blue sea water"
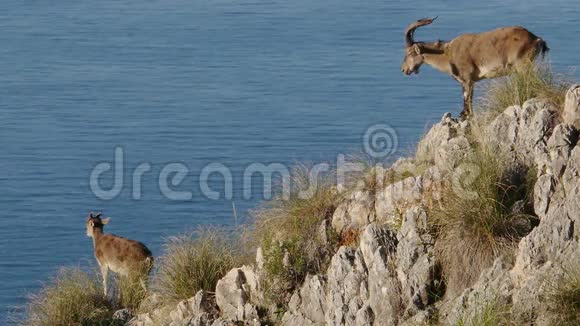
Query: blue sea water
(198, 82)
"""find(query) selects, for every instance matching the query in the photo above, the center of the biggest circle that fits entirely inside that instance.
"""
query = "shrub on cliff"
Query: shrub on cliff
(483, 213)
(489, 313)
(292, 235)
(73, 297)
(193, 262)
(564, 297)
(536, 81)
(130, 291)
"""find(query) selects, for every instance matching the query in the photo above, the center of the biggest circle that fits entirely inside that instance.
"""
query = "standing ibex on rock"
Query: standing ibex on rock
(125, 257)
(469, 58)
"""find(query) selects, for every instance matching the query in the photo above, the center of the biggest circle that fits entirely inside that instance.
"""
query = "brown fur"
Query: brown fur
(469, 58)
(120, 255)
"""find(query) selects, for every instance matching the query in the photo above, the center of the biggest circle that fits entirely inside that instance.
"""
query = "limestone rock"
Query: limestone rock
(560, 211)
(439, 135)
(234, 294)
(522, 132)
(503, 130)
(355, 212)
(122, 316)
(200, 310)
(378, 246)
(392, 201)
(543, 191)
(415, 260)
(558, 150)
(224, 322)
(346, 278)
(451, 153)
(493, 287)
(307, 305)
(571, 114)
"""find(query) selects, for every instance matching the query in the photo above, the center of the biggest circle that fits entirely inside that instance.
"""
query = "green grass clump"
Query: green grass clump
(193, 262)
(490, 313)
(564, 298)
(288, 230)
(478, 218)
(73, 297)
(533, 81)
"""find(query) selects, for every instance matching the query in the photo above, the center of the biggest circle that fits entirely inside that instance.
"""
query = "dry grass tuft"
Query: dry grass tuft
(492, 313)
(564, 298)
(535, 81)
(73, 297)
(482, 215)
(131, 291)
(291, 235)
(370, 180)
(193, 262)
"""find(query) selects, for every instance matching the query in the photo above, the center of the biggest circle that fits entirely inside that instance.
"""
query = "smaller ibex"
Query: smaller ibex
(125, 257)
(469, 58)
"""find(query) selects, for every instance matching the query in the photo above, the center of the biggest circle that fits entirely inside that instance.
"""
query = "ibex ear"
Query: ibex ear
(105, 220)
(417, 49)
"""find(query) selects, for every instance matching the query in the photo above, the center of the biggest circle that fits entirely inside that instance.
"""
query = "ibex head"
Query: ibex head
(413, 57)
(94, 221)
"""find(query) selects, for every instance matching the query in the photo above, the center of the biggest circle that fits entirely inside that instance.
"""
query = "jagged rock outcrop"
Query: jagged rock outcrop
(235, 292)
(571, 114)
(554, 243)
(200, 310)
(408, 181)
(523, 131)
(232, 304)
(391, 276)
(356, 211)
(445, 144)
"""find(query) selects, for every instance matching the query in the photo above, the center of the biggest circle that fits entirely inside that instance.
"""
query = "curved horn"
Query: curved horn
(413, 26)
(98, 215)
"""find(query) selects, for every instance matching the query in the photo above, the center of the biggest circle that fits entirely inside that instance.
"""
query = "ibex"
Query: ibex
(123, 256)
(469, 58)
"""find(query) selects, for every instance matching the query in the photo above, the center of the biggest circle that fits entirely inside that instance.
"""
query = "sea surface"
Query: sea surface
(199, 83)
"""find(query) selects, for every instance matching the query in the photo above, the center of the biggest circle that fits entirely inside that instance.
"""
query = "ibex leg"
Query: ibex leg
(470, 98)
(467, 94)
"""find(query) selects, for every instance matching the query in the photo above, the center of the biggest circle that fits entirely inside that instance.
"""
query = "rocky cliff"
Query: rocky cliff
(391, 275)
